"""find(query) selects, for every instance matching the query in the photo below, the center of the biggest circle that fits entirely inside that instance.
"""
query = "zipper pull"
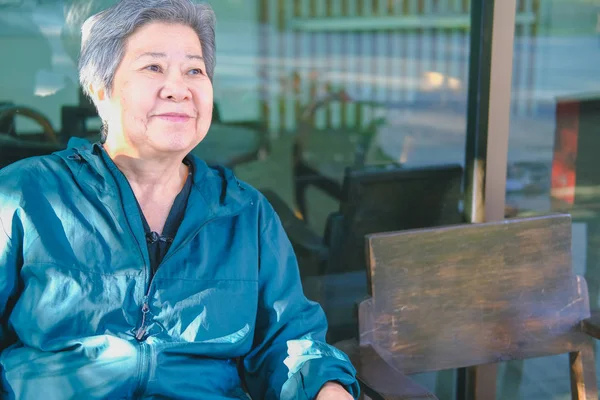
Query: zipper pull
(141, 332)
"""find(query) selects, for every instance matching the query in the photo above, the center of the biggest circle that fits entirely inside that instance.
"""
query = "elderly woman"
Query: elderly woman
(130, 269)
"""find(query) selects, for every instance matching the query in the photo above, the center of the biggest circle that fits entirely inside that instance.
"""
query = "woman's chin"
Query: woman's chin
(176, 148)
(175, 143)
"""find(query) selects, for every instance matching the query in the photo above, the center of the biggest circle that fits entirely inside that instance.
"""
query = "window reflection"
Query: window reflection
(552, 139)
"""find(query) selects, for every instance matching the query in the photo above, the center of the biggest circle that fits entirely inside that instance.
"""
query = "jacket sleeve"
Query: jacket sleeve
(9, 261)
(290, 359)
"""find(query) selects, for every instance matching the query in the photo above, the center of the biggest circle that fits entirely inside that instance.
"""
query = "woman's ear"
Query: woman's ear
(97, 93)
(100, 99)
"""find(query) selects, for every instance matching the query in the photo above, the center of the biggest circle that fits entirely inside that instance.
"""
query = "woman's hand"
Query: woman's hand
(333, 391)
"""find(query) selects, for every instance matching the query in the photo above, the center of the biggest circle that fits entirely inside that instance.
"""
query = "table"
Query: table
(229, 145)
(13, 149)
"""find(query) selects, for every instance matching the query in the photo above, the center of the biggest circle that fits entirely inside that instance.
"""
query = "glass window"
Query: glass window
(303, 90)
(370, 85)
(364, 82)
(552, 161)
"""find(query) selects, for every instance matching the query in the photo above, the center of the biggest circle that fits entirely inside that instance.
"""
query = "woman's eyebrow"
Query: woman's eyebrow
(164, 55)
(151, 54)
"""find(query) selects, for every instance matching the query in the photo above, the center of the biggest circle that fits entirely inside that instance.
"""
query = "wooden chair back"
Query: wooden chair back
(468, 295)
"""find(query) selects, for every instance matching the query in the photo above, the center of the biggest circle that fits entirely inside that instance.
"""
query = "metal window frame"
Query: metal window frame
(488, 128)
(488, 108)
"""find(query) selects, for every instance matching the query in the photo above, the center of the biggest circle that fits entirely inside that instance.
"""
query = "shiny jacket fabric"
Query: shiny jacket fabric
(225, 302)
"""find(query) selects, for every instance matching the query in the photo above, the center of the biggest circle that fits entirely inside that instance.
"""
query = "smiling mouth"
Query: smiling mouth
(174, 117)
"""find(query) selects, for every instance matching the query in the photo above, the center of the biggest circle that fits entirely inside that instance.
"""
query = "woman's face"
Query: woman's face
(161, 101)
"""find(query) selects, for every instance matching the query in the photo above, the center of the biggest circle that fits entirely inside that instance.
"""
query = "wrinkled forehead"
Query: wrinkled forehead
(161, 39)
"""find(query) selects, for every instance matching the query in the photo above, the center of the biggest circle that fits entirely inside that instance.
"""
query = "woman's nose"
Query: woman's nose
(175, 88)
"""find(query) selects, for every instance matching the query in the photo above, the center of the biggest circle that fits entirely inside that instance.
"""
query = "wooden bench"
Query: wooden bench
(471, 295)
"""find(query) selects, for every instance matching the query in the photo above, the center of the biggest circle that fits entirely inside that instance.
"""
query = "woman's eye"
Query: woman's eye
(195, 71)
(153, 68)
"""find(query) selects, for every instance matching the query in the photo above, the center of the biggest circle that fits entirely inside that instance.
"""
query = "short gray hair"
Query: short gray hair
(104, 35)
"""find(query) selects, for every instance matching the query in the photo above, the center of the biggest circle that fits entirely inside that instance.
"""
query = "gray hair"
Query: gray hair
(104, 36)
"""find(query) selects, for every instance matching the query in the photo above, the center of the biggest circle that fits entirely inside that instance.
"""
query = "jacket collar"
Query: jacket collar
(216, 188)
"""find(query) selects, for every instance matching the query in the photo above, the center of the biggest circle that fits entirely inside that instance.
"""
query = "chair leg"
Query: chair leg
(300, 197)
(461, 384)
(583, 373)
(481, 381)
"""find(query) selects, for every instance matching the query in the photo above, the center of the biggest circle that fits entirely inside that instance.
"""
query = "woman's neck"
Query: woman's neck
(153, 181)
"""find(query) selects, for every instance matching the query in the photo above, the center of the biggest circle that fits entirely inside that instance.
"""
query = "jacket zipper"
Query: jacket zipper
(141, 331)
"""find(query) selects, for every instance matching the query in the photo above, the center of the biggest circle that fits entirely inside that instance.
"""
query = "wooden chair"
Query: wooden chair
(471, 295)
(14, 147)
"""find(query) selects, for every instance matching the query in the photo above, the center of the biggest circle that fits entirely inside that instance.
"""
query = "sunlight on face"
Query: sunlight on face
(161, 100)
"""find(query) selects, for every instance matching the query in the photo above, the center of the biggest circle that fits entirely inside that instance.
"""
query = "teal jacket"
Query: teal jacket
(225, 302)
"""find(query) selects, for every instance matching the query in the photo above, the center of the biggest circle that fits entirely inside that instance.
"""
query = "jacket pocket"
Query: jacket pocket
(216, 313)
